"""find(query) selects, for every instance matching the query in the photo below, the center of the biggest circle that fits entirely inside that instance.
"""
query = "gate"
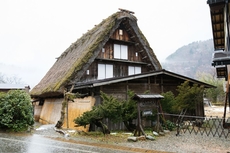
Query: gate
(210, 126)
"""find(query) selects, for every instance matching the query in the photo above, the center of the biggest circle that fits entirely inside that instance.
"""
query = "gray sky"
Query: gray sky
(34, 32)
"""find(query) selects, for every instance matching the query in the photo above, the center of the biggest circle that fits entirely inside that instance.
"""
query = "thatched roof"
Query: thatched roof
(75, 60)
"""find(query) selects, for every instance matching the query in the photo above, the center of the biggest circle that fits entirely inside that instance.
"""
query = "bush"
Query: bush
(16, 113)
(168, 102)
(168, 125)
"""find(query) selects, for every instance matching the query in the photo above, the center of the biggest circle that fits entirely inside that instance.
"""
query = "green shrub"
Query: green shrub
(16, 113)
(168, 125)
(168, 102)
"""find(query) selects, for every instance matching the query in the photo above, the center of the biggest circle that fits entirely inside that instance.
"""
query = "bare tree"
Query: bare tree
(11, 80)
(2, 78)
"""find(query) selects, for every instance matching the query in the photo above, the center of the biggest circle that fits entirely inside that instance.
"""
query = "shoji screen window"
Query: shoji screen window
(105, 71)
(120, 51)
(134, 70)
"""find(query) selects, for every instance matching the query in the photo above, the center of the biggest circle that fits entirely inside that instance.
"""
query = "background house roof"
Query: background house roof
(13, 86)
(75, 60)
(6, 87)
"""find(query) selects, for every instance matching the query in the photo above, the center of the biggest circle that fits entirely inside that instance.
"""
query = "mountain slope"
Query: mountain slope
(191, 59)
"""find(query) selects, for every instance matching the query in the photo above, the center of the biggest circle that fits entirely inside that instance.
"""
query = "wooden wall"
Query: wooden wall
(120, 66)
(51, 111)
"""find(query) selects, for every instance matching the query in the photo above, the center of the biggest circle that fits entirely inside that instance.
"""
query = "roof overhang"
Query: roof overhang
(138, 76)
(217, 12)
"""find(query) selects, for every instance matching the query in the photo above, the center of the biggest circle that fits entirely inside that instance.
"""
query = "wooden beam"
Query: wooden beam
(132, 37)
(127, 11)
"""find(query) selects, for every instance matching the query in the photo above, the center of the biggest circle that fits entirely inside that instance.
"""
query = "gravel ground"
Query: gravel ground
(184, 143)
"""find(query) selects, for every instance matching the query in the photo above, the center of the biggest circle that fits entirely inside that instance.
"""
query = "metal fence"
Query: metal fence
(210, 126)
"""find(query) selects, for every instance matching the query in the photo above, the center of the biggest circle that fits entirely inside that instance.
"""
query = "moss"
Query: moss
(87, 53)
(85, 58)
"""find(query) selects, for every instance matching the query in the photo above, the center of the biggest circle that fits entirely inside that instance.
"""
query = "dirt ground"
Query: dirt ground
(216, 111)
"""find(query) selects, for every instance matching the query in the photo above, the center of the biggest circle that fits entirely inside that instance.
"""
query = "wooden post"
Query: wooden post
(67, 114)
(139, 129)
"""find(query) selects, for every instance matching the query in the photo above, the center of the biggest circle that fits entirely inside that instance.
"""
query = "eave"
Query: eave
(217, 8)
(98, 83)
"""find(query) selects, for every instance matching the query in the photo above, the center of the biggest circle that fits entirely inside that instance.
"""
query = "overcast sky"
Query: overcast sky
(34, 32)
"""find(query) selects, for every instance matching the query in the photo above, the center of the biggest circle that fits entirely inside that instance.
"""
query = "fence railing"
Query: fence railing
(210, 126)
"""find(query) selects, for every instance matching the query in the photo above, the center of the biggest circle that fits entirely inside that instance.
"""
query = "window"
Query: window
(105, 71)
(120, 32)
(134, 70)
(120, 51)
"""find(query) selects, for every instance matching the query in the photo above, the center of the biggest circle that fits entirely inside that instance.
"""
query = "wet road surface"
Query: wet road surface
(33, 143)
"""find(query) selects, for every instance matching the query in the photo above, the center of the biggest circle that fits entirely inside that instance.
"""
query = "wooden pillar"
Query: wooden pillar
(127, 89)
(139, 129)
(149, 84)
(162, 87)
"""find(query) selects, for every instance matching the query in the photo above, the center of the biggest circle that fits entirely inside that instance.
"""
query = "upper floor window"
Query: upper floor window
(120, 51)
(134, 70)
(120, 32)
(105, 71)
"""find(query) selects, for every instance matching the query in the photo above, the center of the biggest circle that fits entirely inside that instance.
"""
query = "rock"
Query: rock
(148, 137)
(161, 133)
(133, 139)
(155, 133)
(66, 135)
(166, 131)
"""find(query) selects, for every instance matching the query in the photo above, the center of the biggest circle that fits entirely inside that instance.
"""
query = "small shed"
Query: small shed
(145, 104)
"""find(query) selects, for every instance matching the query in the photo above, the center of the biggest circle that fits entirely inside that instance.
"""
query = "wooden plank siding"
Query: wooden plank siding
(135, 57)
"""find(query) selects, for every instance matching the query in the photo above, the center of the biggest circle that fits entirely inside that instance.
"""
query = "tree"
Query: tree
(188, 97)
(168, 102)
(2, 78)
(11, 80)
(16, 112)
(129, 111)
(113, 109)
(214, 94)
(100, 112)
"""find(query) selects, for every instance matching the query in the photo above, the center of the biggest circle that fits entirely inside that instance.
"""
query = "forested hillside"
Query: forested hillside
(191, 59)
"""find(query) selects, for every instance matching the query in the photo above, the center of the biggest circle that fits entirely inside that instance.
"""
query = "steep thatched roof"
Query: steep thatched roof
(73, 62)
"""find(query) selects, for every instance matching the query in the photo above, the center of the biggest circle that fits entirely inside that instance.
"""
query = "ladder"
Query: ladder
(180, 120)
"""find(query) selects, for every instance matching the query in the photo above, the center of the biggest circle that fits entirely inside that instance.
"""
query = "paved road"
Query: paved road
(33, 143)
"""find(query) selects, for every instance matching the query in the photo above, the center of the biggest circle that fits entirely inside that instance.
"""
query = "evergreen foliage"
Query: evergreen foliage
(126, 110)
(188, 97)
(168, 102)
(113, 109)
(16, 112)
